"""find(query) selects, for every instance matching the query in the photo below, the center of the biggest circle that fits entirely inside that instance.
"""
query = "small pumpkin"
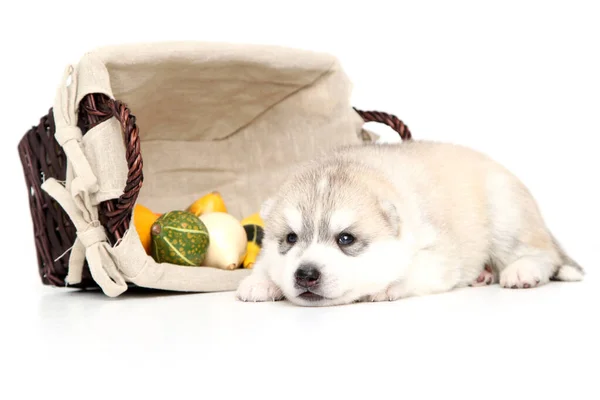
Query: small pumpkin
(254, 227)
(143, 219)
(179, 237)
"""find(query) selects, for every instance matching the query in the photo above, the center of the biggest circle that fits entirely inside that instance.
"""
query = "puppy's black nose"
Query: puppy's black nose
(307, 275)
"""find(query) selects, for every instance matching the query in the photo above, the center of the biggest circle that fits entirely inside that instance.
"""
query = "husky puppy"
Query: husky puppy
(381, 222)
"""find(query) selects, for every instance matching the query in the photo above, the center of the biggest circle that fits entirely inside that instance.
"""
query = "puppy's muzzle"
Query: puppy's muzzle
(307, 276)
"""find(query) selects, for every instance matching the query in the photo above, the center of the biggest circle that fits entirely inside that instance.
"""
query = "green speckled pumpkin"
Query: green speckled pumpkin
(179, 237)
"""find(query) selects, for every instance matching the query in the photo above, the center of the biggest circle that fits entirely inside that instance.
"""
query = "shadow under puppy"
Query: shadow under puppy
(381, 222)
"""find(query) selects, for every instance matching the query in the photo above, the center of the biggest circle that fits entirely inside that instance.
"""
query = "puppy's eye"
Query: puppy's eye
(291, 238)
(345, 239)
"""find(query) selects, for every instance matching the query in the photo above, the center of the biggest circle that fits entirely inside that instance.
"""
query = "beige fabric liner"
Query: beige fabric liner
(212, 116)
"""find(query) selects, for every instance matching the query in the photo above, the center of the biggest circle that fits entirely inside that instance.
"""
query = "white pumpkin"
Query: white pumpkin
(227, 239)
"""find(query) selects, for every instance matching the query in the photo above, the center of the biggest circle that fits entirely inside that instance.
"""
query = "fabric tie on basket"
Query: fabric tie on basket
(68, 134)
(91, 242)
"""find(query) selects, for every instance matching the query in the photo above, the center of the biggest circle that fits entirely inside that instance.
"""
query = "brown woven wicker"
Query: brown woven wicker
(390, 120)
(42, 158)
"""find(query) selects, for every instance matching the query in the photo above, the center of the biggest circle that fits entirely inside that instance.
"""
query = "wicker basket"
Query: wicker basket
(49, 154)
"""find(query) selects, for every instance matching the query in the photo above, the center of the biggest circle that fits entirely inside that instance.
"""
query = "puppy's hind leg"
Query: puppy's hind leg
(527, 272)
(536, 261)
(522, 247)
(525, 257)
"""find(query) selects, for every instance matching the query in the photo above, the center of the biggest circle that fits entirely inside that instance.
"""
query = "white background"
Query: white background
(519, 80)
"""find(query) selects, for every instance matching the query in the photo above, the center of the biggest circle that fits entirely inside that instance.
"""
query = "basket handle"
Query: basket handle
(388, 119)
(116, 214)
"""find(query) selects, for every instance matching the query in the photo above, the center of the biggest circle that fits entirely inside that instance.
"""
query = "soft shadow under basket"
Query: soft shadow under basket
(210, 116)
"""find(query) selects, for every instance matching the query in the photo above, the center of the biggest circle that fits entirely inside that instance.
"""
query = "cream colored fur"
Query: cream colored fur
(455, 210)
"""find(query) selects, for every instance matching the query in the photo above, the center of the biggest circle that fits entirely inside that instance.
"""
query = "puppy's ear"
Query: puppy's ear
(391, 215)
(266, 207)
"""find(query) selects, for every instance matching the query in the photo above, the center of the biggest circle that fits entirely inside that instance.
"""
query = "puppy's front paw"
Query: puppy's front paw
(486, 277)
(253, 288)
(392, 293)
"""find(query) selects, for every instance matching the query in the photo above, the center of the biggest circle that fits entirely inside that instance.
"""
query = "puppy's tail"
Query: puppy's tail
(569, 270)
